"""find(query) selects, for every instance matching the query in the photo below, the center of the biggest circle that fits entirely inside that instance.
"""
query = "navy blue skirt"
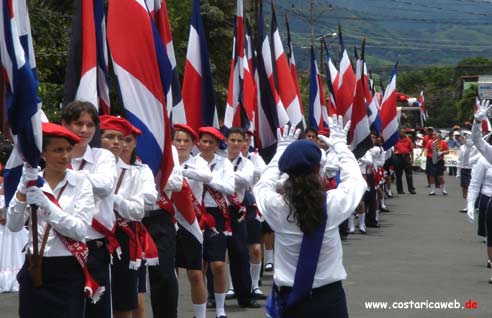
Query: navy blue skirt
(61, 294)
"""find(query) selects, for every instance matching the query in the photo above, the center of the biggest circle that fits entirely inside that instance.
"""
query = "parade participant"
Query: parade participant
(216, 204)
(189, 238)
(149, 192)
(436, 149)
(311, 134)
(427, 138)
(237, 242)
(99, 167)
(380, 158)
(253, 217)
(128, 206)
(403, 162)
(308, 250)
(368, 164)
(65, 209)
(465, 162)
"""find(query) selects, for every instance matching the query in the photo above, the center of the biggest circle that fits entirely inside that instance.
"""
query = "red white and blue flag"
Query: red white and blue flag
(143, 72)
(87, 76)
(198, 90)
(292, 64)
(271, 112)
(346, 84)
(359, 133)
(389, 120)
(332, 81)
(283, 79)
(318, 114)
(174, 100)
(22, 101)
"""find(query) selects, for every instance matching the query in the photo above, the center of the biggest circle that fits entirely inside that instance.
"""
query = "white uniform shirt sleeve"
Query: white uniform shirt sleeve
(477, 177)
(244, 176)
(223, 177)
(17, 215)
(149, 189)
(129, 202)
(175, 181)
(259, 164)
(484, 148)
(103, 177)
(197, 169)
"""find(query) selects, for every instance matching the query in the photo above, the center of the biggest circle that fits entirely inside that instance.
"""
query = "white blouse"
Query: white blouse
(481, 182)
(129, 201)
(222, 179)
(77, 202)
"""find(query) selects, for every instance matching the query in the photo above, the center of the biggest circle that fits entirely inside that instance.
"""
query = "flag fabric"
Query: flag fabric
(143, 73)
(248, 97)
(332, 81)
(271, 112)
(23, 112)
(174, 100)
(292, 64)
(283, 79)
(423, 110)
(372, 103)
(232, 115)
(359, 133)
(346, 84)
(389, 120)
(318, 114)
(486, 127)
(87, 64)
(198, 90)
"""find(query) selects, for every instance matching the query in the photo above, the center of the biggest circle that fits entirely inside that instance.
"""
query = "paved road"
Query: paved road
(424, 251)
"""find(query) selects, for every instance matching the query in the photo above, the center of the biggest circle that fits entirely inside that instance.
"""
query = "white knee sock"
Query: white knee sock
(268, 256)
(351, 223)
(219, 304)
(362, 219)
(200, 310)
(229, 278)
(254, 270)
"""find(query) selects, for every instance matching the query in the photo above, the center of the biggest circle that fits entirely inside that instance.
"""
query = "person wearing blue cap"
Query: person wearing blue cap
(308, 250)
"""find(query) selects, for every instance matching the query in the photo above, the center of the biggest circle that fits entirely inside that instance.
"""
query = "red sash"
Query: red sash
(113, 244)
(80, 251)
(166, 204)
(149, 250)
(222, 205)
(190, 207)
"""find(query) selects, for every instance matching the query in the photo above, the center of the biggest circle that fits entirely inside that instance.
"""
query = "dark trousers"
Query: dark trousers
(370, 200)
(402, 163)
(162, 278)
(326, 301)
(237, 248)
(98, 264)
(61, 294)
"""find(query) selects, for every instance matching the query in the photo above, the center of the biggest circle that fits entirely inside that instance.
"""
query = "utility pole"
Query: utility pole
(311, 22)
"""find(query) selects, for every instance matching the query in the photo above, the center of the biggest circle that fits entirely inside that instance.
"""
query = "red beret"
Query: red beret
(212, 131)
(187, 129)
(116, 123)
(324, 132)
(55, 130)
(136, 131)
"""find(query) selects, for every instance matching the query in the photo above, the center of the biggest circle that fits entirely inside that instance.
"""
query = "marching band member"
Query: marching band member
(99, 167)
(465, 162)
(308, 250)
(149, 192)
(128, 207)
(436, 149)
(65, 210)
(189, 238)
(216, 204)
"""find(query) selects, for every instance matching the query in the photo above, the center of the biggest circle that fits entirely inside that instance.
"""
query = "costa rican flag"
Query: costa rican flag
(359, 133)
(87, 76)
(346, 84)
(23, 109)
(283, 79)
(332, 81)
(292, 64)
(236, 76)
(198, 90)
(271, 112)
(318, 114)
(389, 120)
(174, 100)
(143, 72)
(248, 96)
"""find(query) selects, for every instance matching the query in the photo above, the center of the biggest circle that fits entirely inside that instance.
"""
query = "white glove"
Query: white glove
(190, 172)
(35, 196)
(28, 174)
(470, 215)
(482, 110)
(337, 132)
(287, 136)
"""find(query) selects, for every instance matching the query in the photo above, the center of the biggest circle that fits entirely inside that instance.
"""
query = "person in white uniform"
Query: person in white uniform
(65, 210)
(308, 251)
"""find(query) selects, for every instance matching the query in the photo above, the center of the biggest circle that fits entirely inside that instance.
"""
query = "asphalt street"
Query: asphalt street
(424, 255)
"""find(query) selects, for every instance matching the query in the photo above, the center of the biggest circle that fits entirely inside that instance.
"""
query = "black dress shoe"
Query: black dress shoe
(383, 209)
(371, 224)
(250, 304)
(413, 192)
(401, 192)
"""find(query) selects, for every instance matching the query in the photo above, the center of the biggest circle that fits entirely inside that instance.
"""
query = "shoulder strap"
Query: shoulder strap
(120, 180)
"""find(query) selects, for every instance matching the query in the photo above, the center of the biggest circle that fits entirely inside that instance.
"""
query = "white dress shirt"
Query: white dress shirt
(101, 167)
(129, 201)
(244, 171)
(149, 190)
(340, 203)
(259, 164)
(466, 155)
(481, 182)
(77, 202)
(196, 172)
(222, 179)
(482, 146)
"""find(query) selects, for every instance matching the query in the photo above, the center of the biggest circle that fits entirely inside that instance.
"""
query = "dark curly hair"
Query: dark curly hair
(304, 195)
